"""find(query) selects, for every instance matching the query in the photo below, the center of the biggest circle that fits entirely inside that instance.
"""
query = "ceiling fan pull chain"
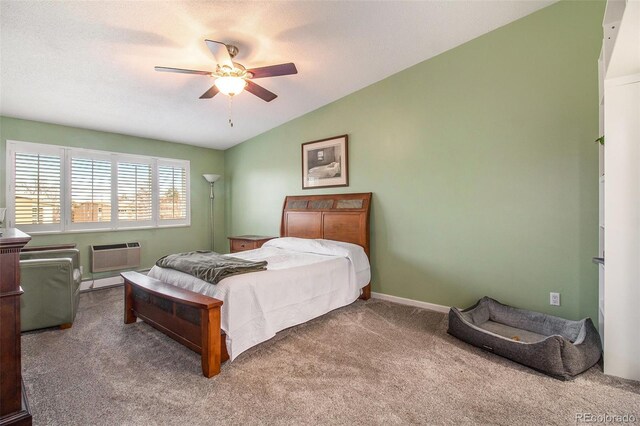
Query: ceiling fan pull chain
(230, 110)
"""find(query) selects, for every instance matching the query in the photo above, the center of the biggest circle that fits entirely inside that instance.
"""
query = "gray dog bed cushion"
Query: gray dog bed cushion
(555, 346)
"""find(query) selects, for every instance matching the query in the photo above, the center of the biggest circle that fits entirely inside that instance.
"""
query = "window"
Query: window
(90, 190)
(37, 189)
(172, 188)
(57, 189)
(135, 201)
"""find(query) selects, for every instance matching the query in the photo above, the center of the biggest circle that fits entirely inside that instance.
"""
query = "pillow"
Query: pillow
(353, 252)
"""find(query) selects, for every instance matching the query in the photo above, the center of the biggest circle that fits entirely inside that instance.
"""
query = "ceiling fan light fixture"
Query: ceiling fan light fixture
(230, 85)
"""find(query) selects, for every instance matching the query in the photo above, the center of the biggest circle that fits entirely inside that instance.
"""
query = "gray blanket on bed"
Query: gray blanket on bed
(209, 266)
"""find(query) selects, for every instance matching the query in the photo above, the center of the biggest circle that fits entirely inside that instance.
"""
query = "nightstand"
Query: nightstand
(247, 242)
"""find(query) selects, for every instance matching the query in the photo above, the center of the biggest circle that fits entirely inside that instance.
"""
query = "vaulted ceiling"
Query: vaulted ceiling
(90, 64)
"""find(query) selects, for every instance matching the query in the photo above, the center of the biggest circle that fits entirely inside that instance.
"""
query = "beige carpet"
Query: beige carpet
(369, 363)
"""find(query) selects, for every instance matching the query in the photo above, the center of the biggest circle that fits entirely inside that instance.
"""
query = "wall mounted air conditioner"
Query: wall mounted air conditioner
(112, 257)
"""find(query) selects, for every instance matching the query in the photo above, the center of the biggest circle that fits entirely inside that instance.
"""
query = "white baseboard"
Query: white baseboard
(101, 283)
(114, 281)
(105, 282)
(410, 302)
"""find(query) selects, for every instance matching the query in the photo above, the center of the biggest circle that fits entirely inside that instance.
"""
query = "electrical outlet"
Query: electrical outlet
(554, 299)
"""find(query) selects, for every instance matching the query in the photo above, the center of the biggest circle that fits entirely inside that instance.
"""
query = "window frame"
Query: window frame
(66, 154)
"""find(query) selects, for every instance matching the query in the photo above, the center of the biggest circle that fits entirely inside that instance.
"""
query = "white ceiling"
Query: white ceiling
(90, 64)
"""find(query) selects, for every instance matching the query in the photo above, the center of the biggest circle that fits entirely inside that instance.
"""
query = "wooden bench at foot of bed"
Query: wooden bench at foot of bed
(190, 318)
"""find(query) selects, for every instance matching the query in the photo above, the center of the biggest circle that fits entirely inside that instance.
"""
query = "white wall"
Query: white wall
(622, 222)
(622, 195)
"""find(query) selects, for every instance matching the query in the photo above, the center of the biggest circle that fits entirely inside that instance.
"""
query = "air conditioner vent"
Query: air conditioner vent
(109, 247)
(112, 257)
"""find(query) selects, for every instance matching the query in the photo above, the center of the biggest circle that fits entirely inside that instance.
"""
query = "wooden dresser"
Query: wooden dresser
(14, 409)
(247, 242)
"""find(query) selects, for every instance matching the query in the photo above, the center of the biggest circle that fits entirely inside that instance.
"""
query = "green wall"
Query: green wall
(155, 242)
(480, 160)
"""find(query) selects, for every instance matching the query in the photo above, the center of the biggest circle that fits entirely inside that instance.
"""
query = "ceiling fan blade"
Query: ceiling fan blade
(183, 71)
(260, 91)
(274, 70)
(213, 90)
(220, 52)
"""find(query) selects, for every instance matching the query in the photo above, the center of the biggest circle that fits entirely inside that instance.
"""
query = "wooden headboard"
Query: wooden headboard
(340, 217)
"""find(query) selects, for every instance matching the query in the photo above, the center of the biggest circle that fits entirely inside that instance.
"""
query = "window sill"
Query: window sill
(93, 231)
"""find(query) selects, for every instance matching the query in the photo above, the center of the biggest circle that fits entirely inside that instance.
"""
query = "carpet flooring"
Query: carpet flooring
(372, 362)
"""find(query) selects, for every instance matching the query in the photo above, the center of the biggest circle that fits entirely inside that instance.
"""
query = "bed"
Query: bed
(307, 277)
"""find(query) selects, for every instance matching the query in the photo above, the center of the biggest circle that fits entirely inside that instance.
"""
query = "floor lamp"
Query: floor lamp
(211, 178)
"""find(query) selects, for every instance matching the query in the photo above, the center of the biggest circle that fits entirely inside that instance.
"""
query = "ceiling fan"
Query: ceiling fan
(231, 77)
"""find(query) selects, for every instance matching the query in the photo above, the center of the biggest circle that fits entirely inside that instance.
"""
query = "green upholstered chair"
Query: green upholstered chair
(51, 283)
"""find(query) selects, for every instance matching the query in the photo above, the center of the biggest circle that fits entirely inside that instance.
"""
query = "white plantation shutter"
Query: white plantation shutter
(135, 202)
(172, 192)
(90, 190)
(37, 189)
(56, 189)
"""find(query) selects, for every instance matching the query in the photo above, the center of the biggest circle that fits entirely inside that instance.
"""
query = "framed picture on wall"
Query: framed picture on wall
(325, 163)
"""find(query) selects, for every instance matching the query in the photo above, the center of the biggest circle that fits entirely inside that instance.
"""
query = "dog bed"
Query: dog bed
(552, 345)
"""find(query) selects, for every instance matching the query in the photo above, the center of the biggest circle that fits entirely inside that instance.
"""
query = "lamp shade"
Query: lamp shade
(230, 85)
(211, 177)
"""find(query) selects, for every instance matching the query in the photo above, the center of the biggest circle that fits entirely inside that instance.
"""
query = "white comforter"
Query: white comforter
(304, 279)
